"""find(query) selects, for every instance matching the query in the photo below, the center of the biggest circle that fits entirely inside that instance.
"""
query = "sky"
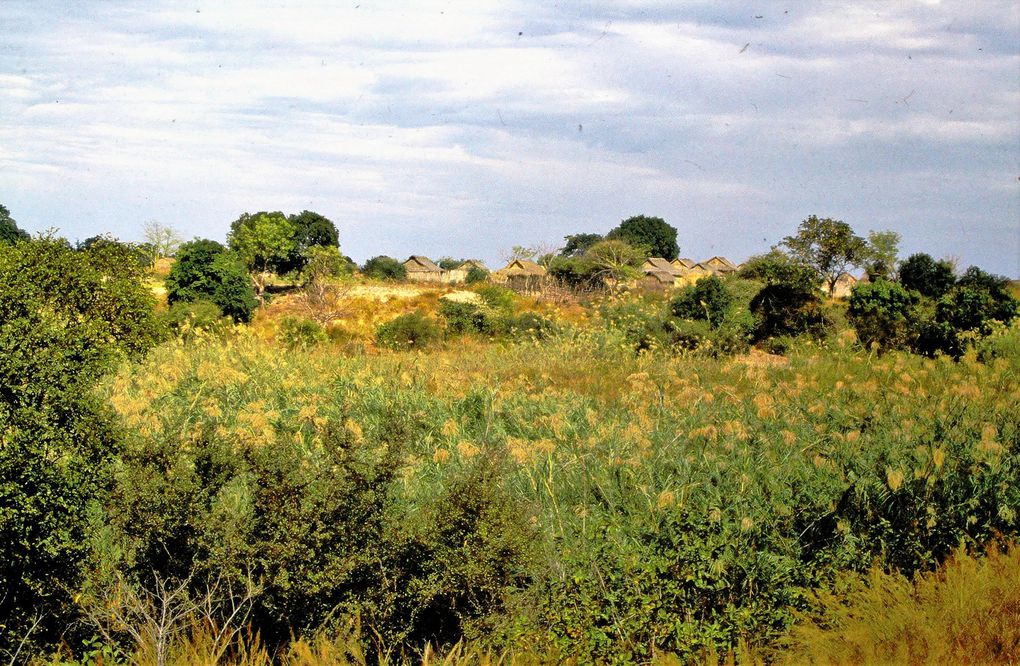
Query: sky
(462, 129)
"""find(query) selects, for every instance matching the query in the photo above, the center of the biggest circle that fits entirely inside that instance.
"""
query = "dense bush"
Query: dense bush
(190, 316)
(300, 333)
(920, 273)
(476, 275)
(66, 318)
(462, 317)
(883, 312)
(413, 330)
(707, 299)
(204, 270)
(788, 309)
(384, 268)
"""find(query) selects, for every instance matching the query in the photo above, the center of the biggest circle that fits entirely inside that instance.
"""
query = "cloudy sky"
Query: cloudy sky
(464, 128)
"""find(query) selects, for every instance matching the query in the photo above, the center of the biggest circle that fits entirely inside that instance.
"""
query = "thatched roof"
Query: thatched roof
(473, 263)
(665, 277)
(419, 264)
(523, 267)
(658, 264)
(720, 264)
(683, 263)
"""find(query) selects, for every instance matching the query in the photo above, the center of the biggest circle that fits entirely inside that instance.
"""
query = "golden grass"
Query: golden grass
(968, 612)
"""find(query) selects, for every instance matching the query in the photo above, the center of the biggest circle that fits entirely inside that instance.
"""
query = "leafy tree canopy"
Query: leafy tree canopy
(205, 270)
(926, 276)
(882, 255)
(708, 299)
(264, 242)
(777, 267)
(651, 234)
(829, 246)
(384, 268)
(578, 244)
(9, 231)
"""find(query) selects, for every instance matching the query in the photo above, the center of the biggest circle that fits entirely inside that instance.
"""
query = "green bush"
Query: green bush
(204, 270)
(384, 268)
(920, 273)
(782, 309)
(496, 297)
(476, 275)
(461, 317)
(66, 319)
(300, 333)
(201, 315)
(533, 325)
(884, 313)
(707, 299)
(413, 330)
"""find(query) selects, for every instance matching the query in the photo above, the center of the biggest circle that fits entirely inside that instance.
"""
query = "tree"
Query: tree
(578, 244)
(882, 254)
(789, 303)
(264, 243)
(882, 312)
(9, 231)
(613, 259)
(310, 230)
(926, 276)
(384, 268)
(164, 240)
(205, 270)
(651, 234)
(323, 297)
(830, 246)
(707, 299)
(66, 319)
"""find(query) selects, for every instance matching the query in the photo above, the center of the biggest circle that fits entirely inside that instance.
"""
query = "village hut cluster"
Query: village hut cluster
(525, 276)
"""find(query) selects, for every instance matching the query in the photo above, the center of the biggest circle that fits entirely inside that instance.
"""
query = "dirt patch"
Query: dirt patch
(384, 293)
(463, 297)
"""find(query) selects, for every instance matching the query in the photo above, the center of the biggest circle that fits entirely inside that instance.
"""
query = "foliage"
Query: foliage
(204, 270)
(652, 235)
(300, 333)
(881, 255)
(66, 317)
(161, 240)
(310, 230)
(461, 317)
(413, 330)
(577, 244)
(476, 275)
(707, 299)
(920, 273)
(788, 309)
(963, 613)
(613, 259)
(9, 231)
(883, 313)
(186, 317)
(264, 242)
(496, 297)
(777, 267)
(829, 246)
(384, 268)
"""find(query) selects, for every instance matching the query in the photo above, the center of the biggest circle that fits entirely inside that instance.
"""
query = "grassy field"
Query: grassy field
(564, 497)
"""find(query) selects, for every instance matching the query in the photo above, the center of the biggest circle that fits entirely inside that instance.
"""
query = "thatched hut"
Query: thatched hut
(423, 269)
(720, 265)
(521, 275)
(844, 285)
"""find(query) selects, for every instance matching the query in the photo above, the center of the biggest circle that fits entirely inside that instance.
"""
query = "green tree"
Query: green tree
(829, 246)
(882, 254)
(578, 244)
(613, 259)
(310, 230)
(652, 234)
(66, 318)
(707, 299)
(384, 268)
(926, 276)
(264, 243)
(9, 231)
(205, 270)
(883, 312)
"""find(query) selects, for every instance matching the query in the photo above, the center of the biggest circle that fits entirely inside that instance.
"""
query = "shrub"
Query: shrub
(413, 330)
(707, 299)
(204, 270)
(882, 312)
(476, 275)
(926, 276)
(201, 315)
(496, 297)
(384, 268)
(461, 317)
(788, 309)
(533, 325)
(300, 333)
